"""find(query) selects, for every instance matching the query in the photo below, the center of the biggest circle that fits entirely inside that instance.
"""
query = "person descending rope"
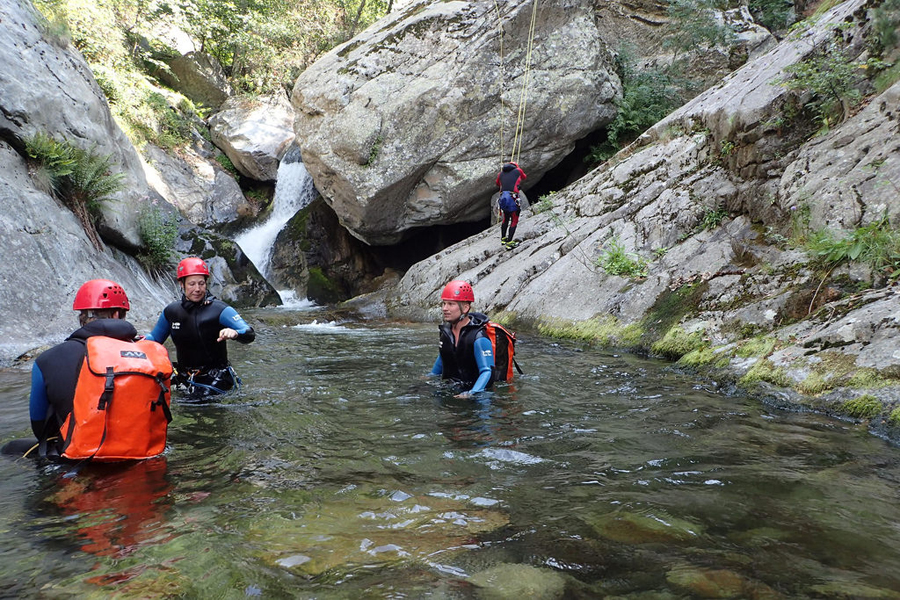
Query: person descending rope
(508, 180)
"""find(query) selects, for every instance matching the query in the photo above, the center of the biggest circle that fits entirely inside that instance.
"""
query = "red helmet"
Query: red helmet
(100, 294)
(192, 266)
(458, 291)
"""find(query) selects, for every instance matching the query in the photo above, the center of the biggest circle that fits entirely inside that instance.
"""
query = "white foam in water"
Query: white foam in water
(290, 300)
(293, 191)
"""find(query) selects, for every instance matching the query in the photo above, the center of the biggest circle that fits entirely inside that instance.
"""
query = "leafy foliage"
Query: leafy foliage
(158, 232)
(81, 179)
(876, 245)
(696, 25)
(615, 260)
(649, 94)
(832, 78)
(774, 15)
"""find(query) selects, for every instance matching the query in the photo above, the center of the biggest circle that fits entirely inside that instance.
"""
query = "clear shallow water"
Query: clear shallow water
(339, 472)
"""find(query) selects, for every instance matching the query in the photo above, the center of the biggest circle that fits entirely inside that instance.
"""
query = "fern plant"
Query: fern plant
(80, 179)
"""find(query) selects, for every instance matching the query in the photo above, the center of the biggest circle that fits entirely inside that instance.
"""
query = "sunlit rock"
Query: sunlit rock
(402, 126)
(254, 134)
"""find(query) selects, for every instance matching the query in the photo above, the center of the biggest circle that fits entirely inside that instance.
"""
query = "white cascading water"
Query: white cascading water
(294, 190)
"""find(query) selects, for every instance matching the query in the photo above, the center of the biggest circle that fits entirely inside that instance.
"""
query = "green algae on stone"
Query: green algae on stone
(518, 581)
(868, 378)
(756, 347)
(603, 330)
(764, 371)
(703, 357)
(815, 383)
(677, 343)
(894, 417)
(866, 406)
(647, 528)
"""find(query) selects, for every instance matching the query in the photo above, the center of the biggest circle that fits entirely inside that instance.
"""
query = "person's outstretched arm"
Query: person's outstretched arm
(161, 330)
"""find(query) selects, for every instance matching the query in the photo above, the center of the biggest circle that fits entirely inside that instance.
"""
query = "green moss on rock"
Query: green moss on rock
(765, 371)
(677, 343)
(604, 330)
(866, 406)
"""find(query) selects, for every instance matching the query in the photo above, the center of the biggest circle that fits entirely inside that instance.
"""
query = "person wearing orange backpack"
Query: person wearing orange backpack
(82, 389)
(466, 354)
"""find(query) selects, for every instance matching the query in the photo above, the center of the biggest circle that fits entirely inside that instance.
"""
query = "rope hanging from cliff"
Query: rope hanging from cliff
(523, 96)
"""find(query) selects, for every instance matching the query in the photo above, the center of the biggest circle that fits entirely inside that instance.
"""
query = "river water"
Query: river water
(338, 471)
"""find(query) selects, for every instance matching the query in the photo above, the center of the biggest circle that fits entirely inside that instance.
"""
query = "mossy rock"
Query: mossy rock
(517, 581)
(677, 342)
(636, 528)
(866, 406)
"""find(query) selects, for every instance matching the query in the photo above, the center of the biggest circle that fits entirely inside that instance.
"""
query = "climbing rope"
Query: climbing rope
(523, 96)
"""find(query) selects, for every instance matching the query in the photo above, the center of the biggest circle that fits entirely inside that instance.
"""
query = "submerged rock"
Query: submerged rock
(517, 581)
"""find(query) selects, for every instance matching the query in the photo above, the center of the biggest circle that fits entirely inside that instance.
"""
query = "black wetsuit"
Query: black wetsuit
(195, 327)
(462, 362)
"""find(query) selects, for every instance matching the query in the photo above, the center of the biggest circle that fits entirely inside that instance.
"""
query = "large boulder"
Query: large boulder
(406, 125)
(48, 88)
(254, 134)
(198, 187)
(198, 76)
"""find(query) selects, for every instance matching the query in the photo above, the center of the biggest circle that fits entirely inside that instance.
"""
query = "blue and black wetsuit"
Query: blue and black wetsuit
(55, 375)
(194, 327)
(469, 362)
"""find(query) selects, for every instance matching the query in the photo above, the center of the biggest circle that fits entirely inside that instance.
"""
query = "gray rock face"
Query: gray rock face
(47, 257)
(851, 176)
(254, 134)
(49, 89)
(204, 193)
(407, 125)
(720, 276)
(199, 77)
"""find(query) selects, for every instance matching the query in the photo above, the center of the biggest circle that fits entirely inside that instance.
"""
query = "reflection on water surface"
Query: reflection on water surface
(338, 471)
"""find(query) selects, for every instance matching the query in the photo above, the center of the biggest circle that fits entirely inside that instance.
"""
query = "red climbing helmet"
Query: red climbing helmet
(191, 266)
(99, 294)
(458, 291)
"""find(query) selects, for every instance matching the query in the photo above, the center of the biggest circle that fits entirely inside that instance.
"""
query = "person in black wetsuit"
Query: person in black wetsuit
(54, 375)
(508, 180)
(199, 325)
(466, 354)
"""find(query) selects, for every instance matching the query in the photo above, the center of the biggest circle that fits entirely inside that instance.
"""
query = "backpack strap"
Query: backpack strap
(161, 400)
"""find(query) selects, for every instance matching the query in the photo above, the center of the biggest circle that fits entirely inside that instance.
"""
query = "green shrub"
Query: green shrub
(712, 218)
(876, 245)
(616, 261)
(832, 78)
(543, 204)
(693, 25)
(158, 232)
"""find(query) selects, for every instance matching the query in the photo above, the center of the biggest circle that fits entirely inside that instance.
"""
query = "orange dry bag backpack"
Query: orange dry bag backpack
(504, 343)
(121, 405)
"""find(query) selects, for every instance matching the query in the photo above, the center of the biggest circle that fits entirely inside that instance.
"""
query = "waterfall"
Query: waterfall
(293, 191)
